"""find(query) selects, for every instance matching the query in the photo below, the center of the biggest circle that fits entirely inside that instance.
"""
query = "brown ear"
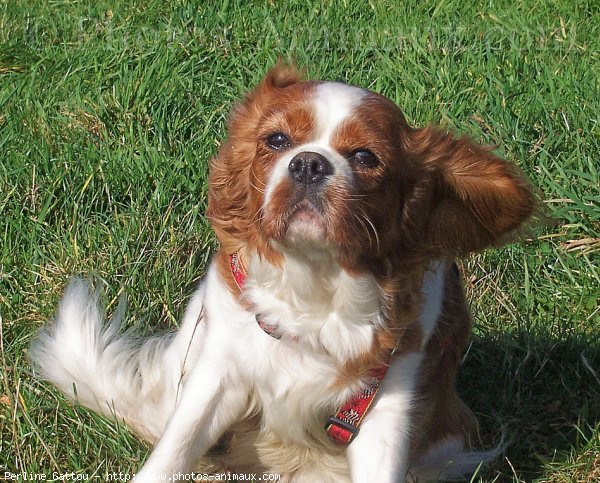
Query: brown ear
(477, 199)
(231, 209)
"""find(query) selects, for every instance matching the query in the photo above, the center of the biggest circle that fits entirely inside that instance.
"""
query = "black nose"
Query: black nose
(308, 168)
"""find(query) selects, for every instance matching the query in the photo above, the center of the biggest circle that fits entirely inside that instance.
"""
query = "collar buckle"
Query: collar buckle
(341, 431)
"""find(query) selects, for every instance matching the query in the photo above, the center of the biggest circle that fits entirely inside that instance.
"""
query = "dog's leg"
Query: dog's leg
(213, 397)
(380, 450)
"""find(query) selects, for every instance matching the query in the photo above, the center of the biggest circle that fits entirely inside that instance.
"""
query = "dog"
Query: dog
(324, 341)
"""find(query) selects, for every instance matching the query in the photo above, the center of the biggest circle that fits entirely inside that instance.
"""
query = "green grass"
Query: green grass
(109, 112)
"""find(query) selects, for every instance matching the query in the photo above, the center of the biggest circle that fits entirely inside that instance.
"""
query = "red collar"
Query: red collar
(344, 426)
(237, 270)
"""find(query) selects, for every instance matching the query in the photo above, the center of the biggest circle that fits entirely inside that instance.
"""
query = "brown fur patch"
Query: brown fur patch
(440, 413)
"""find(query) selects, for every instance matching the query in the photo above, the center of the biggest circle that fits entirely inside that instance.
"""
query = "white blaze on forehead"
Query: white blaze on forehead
(333, 103)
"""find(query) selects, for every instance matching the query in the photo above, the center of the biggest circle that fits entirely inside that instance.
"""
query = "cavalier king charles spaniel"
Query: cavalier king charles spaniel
(324, 341)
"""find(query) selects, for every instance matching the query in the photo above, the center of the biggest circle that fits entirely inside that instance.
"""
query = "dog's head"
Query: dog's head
(328, 167)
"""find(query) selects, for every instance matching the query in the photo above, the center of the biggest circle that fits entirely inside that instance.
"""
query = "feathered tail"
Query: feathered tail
(119, 375)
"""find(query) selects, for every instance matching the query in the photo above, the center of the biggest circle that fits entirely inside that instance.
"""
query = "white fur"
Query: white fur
(433, 293)
(334, 103)
(380, 450)
(343, 310)
(110, 372)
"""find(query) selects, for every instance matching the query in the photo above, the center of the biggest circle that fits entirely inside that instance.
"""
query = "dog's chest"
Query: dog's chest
(324, 318)
(297, 393)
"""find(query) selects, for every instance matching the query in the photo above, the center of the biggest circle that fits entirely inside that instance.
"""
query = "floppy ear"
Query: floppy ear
(230, 208)
(477, 199)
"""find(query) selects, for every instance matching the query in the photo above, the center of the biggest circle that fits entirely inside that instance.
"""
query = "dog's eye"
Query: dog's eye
(363, 158)
(278, 141)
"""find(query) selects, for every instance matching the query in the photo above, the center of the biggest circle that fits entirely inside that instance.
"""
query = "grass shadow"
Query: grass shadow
(543, 390)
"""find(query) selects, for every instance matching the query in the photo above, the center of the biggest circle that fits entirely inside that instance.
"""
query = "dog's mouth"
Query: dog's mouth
(305, 222)
(296, 215)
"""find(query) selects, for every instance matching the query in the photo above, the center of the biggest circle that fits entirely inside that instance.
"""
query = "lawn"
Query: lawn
(110, 111)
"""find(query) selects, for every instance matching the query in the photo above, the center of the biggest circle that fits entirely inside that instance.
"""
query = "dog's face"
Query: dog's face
(322, 166)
